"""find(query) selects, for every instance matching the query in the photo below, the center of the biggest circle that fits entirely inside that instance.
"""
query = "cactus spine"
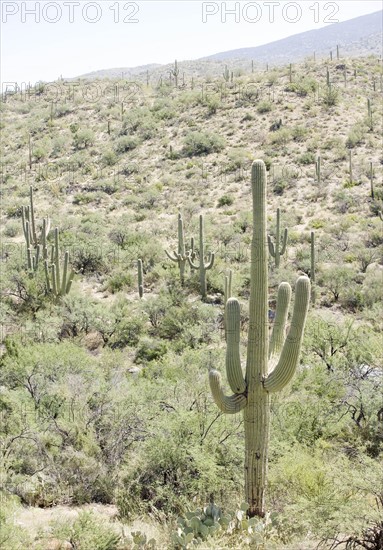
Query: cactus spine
(274, 250)
(252, 392)
(140, 274)
(58, 283)
(203, 266)
(181, 257)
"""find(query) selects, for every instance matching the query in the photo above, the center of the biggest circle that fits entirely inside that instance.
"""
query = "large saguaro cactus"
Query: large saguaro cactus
(269, 366)
(275, 252)
(203, 266)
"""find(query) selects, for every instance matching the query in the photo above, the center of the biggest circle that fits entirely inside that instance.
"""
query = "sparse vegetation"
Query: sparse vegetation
(104, 391)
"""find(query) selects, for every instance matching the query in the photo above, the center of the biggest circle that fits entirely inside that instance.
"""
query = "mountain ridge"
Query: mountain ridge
(360, 36)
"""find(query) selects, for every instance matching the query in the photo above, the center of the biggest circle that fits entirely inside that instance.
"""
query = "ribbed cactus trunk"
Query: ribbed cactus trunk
(256, 414)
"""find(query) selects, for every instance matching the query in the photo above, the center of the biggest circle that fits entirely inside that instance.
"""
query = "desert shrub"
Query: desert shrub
(141, 122)
(337, 280)
(237, 159)
(281, 137)
(225, 200)
(12, 536)
(279, 185)
(12, 229)
(299, 133)
(307, 480)
(126, 143)
(83, 198)
(202, 143)
(61, 110)
(109, 158)
(345, 202)
(307, 158)
(264, 107)
(302, 87)
(164, 109)
(83, 138)
(355, 136)
(120, 280)
(87, 531)
(149, 349)
(175, 467)
(87, 259)
(330, 96)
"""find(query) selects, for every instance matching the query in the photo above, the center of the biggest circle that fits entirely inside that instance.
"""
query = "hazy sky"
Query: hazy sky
(42, 40)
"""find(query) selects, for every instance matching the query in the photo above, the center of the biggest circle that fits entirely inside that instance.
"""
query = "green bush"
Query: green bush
(149, 349)
(264, 107)
(83, 138)
(126, 143)
(87, 532)
(202, 143)
(281, 137)
(307, 158)
(225, 200)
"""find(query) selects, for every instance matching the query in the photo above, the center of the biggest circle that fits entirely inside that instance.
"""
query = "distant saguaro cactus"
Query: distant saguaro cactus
(269, 366)
(318, 169)
(202, 266)
(275, 251)
(140, 275)
(35, 242)
(181, 257)
(175, 72)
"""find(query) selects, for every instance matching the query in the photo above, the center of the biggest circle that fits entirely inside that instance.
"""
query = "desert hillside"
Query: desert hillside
(104, 389)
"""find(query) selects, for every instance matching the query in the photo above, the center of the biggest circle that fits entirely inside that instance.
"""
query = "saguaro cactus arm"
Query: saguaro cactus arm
(284, 241)
(233, 359)
(229, 404)
(175, 258)
(234, 403)
(278, 334)
(287, 364)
